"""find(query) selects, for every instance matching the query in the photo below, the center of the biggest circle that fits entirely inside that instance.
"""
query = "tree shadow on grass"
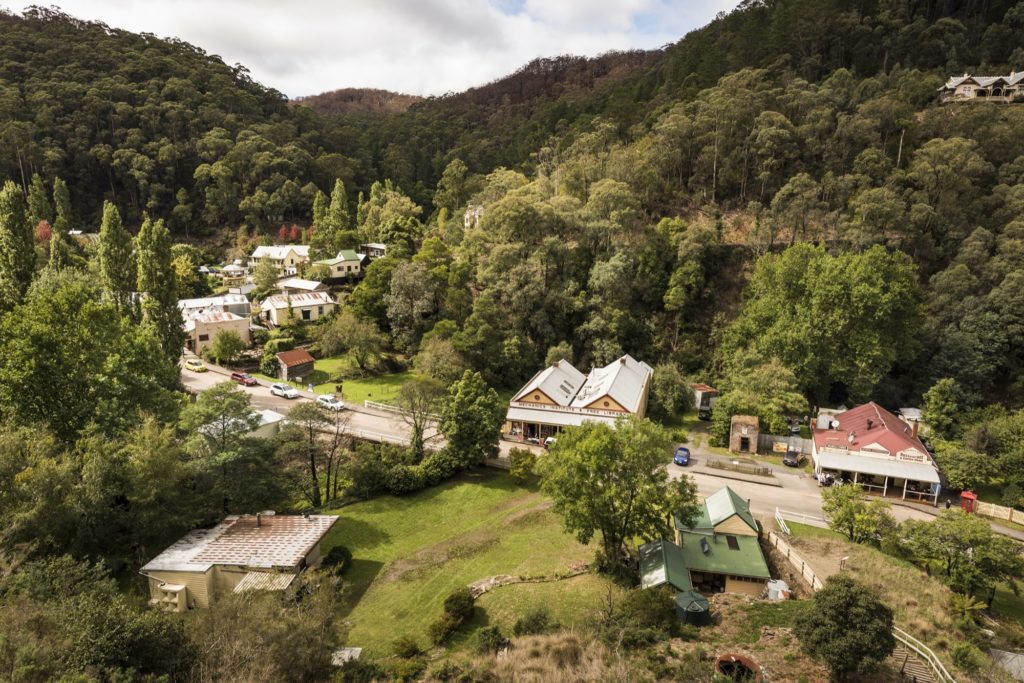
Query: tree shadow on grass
(357, 580)
(356, 534)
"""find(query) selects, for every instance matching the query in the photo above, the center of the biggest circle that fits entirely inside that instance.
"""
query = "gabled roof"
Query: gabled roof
(273, 542)
(279, 251)
(623, 380)
(559, 382)
(344, 256)
(662, 562)
(298, 300)
(718, 507)
(207, 302)
(866, 425)
(210, 318)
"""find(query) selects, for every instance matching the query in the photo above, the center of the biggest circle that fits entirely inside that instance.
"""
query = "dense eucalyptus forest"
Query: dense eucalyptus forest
(776, 204)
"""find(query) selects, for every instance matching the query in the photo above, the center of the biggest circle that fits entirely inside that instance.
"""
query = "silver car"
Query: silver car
(330, 402)
(283, 390)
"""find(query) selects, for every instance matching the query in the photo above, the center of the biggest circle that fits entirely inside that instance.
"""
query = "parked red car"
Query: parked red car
(244, 378)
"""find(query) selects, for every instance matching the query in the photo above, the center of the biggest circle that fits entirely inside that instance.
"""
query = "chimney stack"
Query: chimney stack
(871, 423)
(259, 520)
(913, 429)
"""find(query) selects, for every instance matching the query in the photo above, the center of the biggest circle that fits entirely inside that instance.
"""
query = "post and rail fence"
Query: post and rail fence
(923, 652)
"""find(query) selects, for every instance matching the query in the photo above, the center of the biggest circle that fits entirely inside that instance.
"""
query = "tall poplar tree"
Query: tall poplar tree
(329, 221)
(17, 253)
(39, 208)
(60, 247)
(117, 263)
(156, 279)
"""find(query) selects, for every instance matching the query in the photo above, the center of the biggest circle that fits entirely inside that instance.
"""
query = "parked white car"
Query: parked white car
(330, 402)
(283, 390)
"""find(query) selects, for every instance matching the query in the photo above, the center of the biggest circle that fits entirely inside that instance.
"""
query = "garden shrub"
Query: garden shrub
(406, 647)
(403, 670)
(337, 560)
(534, 622)
(277, 345)
(459, 604)
(490, 640)
(442, 629)
(967, 657)
(403, 479)
(522, 462)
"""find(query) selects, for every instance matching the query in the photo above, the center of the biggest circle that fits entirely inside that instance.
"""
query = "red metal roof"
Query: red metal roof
(295, 357)
(869, 423)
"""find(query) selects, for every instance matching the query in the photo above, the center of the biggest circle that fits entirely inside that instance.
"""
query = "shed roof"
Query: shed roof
(662, 562)
(294, 357)
(299, 283)
(264, 581)
(277, 542)
(883, 467)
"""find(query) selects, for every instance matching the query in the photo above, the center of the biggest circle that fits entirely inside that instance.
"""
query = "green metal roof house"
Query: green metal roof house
(719, 553)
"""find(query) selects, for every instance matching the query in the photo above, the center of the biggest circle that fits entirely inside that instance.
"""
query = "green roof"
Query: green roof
(662, 562)
(348, 255)
(745, 560)
(718, 507)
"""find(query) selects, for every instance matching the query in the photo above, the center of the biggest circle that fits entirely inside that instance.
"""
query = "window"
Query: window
(607, 404)
(536, 397)
(204, 337)
(305, 314)
(733, 543)
(319, 310)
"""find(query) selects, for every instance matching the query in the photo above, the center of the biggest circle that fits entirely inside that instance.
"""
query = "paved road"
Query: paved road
(796, 492)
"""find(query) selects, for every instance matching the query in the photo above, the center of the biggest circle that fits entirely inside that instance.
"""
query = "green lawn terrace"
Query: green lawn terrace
(411, 552)
(383, 387)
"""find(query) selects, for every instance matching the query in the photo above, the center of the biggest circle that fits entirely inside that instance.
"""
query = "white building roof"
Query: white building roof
(269, 417)
(275, 542)
(623, 380)
(264, 581)
(210, 318)
(279, 251)
(211, 301)
(559, 382)
(232, 268)
(298, 300)
(883, 467)
(299, 283)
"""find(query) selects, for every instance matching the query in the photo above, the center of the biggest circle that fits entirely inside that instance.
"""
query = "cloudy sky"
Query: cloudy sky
(424, 47)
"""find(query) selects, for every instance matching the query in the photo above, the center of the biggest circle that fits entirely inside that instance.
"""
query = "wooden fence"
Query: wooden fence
(794, 559)
(999, 512)
(807, 574)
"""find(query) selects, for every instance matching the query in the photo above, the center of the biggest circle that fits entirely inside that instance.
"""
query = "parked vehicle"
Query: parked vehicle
(704, 413)
(794, 428)
(793, 457)
(682, 456)
(330, 402)
(549, 442)
(195, 365)
(826, 479)
(244, 378)
(284, 391)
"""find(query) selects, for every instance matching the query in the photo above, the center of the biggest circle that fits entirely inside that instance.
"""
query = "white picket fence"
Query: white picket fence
(800, 518)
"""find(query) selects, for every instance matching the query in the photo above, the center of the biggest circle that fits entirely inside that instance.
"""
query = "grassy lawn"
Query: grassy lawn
(411, 552)
(807, 531)
(383, 388)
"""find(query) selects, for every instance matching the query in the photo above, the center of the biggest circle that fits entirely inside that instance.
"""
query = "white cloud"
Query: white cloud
(416, 46)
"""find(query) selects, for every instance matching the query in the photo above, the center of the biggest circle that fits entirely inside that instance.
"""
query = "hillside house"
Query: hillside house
(230, 303)
(870, 446)
(295, 364)
(286, 257)
(562, 396)
(234, 275)
(719, 553)
(284, 309)
(202, 327)
(346, 265)
(968, 88)
(250, 552)
(373, 250)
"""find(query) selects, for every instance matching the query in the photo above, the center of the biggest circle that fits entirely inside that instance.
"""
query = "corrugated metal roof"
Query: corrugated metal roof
(298, 300)
(264, 581)
(662, 562)
(559, 382)
(623, 380)
(745, 560)
(279, 541)
(883, 467)
(299, 283)
(279, 251)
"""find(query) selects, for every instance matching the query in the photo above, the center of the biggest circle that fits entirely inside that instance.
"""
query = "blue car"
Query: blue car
(682, 456)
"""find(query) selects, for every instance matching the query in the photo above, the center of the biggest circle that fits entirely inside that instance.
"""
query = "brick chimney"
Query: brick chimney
(913, 429)
(259, 520)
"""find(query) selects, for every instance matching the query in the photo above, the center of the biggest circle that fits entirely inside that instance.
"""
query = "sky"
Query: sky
(421, 47)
